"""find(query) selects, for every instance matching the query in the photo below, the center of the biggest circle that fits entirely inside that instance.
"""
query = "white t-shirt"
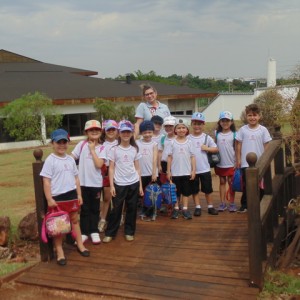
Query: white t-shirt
(124, 158)
(62, 172)
(167, 142)
(202, 164)
(252, 140)
(225, 144)
(107, 145)
(147, 155)
(89, 175)
(181, 157)
(157, 138)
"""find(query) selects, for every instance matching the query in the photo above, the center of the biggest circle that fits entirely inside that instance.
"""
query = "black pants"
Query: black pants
(129, 194)
(90, 210)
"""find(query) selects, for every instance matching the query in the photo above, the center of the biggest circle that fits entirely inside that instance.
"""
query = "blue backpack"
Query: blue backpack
(169, 193)
(237, 181)
(152, 196)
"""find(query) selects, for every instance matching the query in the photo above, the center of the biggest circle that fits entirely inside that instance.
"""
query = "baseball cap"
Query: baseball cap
(125, 125)
(198, 116)
(109, 124)
(146, 125)
(226, 115)
(59, 134)
(92, 124)
(170, 120)
(157, 119)
(182, 122)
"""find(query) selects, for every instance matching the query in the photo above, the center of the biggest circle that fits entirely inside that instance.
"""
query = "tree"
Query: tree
(106, 109)
(24, 117)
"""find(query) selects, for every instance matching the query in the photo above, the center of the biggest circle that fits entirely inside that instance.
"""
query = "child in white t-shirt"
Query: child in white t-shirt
(252, 137)
(225, 139)
(157, 133)
(109, 138)
(148, 160)
(91, 157)
(125, 183)
(181, 168)
(62, 189)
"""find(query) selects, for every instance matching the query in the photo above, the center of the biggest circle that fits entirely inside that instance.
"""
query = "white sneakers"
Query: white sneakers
(95, 237)
(102, 225)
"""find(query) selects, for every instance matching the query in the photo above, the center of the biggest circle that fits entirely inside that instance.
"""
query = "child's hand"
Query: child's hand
(80, 200)
(193, 175)
(204, 148)
(113, 191)
(52, 203)
(169, 176)
(92, 145)
(154, 178)
(141, 191)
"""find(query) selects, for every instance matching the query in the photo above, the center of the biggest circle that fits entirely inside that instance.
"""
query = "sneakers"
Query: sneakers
(242, 210)
(212, 211)
(95, 237)
(186, 214)
(232, 207)
(84, 238)
(197, 212)
(175, 214)
(222, 207)
(107, 239)
(129, 238)
(102, 225)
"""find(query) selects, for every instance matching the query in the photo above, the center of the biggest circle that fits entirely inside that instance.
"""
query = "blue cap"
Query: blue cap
(125, 125)
(146, 125)
(59, 134)
(226, 115)
(197, 116)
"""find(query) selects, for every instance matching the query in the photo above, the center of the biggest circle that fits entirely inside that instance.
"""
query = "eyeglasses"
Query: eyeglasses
(149, 94)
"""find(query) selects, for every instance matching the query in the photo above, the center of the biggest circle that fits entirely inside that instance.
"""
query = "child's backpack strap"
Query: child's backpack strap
(162, 141)
(44, 233)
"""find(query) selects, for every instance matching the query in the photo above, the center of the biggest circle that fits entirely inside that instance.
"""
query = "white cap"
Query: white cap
(170, 120)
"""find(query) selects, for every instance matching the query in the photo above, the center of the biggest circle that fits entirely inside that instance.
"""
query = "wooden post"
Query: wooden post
(254, 222)
(46, 250)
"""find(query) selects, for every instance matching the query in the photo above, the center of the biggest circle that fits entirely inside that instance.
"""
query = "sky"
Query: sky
(205, 38)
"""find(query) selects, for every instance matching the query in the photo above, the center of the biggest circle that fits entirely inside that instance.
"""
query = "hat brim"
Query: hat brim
(93, 127)
(60, 137)
(110, 127)
(126, 129)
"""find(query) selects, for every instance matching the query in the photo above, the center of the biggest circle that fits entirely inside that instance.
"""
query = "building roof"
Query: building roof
(21, 75)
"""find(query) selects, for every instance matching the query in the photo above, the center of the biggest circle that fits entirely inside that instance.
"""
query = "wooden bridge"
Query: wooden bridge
(208, 257)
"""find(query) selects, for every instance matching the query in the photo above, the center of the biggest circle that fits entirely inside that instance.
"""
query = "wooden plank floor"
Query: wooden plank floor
(202, 258)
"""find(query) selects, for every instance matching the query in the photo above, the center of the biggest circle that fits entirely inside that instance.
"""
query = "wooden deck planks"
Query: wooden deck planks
(203, 258)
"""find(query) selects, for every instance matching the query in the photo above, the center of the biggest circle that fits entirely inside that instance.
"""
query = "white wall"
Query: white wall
(235, 103)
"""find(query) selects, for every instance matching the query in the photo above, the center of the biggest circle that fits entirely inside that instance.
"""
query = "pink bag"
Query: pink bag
(56, 222)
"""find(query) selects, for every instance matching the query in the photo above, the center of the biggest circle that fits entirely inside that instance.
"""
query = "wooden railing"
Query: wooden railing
(267, 217)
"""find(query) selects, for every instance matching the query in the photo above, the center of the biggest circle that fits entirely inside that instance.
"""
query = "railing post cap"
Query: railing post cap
(251, 159)
(38, 154)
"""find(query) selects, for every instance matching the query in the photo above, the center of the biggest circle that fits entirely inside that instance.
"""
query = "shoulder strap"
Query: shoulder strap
(162, 140)
(205, 139)
(82, 145)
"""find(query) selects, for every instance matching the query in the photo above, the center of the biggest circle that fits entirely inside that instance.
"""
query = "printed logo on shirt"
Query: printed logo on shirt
(125, 158)
(145, 152)
(152, 110)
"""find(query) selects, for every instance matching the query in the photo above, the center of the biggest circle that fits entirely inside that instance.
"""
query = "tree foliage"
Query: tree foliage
(106, 109)
(23, 117)
(273, 107)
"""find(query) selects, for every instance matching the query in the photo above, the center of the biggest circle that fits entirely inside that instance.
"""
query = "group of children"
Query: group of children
(118, 166)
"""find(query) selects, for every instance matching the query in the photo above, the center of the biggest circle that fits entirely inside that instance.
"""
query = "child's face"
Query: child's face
(252, 118)
(157, 127)
(197, 127)
(111, 134)
(147, 135)
(93, 134)
(125, 135)
(225, 123)
(169, 129)
(60, 147)
(181, 130)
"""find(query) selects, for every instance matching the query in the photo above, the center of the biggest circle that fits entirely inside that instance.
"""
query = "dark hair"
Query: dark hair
(102, 137)
(232, 127)
(252, 108)
(145, 87)
(157, 119)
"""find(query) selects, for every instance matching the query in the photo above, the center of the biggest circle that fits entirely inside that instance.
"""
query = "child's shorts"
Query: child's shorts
(68, 205)
(106, 181)
(183, 185)
(223, 172)
(206, 183)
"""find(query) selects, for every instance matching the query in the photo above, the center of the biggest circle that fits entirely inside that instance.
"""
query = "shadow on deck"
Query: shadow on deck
(202, 258)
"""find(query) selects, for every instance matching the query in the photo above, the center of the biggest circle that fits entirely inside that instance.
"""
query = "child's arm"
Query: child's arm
(266, 145)
(111, 173)
(193, 162)
(78, 190)
(97, 161)
(137, 167)
(159, 155)
(155, 163)
(238, 147)
(169, 162)
(47, 191)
